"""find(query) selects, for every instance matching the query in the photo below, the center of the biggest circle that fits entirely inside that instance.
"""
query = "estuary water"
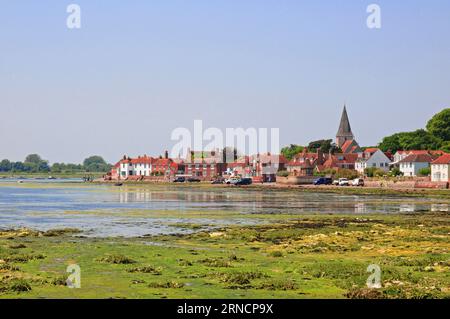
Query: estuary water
(129, 211)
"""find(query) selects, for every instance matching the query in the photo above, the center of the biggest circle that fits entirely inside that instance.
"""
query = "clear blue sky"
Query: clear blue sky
(138, 69)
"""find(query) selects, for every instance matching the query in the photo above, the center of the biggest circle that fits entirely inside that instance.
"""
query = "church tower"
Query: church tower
(345, 131)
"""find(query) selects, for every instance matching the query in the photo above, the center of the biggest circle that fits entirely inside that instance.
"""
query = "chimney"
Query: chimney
(166, 154)
(319, 156)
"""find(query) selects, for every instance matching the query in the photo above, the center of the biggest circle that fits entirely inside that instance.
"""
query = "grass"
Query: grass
(312, 256)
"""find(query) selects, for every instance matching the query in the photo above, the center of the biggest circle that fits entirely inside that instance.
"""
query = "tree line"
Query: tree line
(33, 163)
(436, 136)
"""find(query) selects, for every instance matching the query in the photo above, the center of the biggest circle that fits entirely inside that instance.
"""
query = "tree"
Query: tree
(426, 171)
(395, 171)
(439, 125)
(96, 164)
(34, 163)
(374, 172)
(446, 146)
(33, 159)
(325, 145)
(17, 167)
(290, 151)
(437, 136)
(417, 140)
(5, 165)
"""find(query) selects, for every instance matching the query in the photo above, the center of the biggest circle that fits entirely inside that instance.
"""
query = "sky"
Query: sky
(136, 70)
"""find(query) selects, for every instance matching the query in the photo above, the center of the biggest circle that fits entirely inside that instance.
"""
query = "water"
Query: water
(106, 210)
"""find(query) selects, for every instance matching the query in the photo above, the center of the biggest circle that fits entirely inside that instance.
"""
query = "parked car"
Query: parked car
(323, 181)
(358, 182)
(217, 181)
(336, 182)
(232, 180)
(179, 180)
(343, 182)
(244, 181)
(193, 180)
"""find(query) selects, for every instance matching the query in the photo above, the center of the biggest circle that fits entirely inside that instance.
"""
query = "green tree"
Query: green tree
(5, 165)
(33, 159)
(446, 146)
(34, 163)
(439, 125)
(395, 171)
(374, 172)
(325, 145)
(96, 164)
(417, 140)
(426, 171)
(290, 151)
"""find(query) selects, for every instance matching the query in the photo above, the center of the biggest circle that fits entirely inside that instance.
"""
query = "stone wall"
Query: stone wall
(296, 180)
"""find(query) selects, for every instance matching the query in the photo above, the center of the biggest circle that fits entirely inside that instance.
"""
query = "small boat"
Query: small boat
(51, 177)
(118, 184)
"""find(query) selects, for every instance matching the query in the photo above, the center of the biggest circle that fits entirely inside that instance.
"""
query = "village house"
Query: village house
(240, 167)
(412, 164)
(303, 163)
(140, 166)
(372, 157)
(266, 166)
(400, 155)
(145, 166)
(338, 161)
(296, 168)
(205, 165)
(440, 169)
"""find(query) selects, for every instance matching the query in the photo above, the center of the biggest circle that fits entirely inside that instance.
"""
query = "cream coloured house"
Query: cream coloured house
(440, 169)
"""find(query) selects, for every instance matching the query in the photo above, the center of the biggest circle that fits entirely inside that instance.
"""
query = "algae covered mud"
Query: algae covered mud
(183, 242)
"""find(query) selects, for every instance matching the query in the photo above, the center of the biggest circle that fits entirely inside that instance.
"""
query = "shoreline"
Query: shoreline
(351, 190)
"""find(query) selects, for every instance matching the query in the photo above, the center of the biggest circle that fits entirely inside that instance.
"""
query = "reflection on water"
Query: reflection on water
(105, 210)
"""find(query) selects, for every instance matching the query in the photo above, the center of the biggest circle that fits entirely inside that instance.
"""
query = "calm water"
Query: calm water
(105, 210)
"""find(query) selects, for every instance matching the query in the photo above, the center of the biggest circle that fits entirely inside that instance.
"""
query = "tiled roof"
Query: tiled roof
(371, 150)
(348, 146)
(305, 164)
(444, 159)
(417, 158)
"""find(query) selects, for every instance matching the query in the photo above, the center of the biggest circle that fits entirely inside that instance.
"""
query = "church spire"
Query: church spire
(345, 131)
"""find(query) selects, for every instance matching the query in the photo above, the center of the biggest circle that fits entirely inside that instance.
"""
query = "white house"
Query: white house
(400, 155)
(140, 166)
(372, 157)
(440, 169)
(412, 164)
